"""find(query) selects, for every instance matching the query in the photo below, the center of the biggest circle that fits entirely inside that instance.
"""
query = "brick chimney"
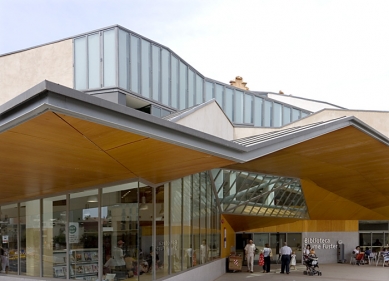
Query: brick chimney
(239, 83)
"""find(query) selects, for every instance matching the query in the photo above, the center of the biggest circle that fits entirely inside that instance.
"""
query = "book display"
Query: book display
(83, 264)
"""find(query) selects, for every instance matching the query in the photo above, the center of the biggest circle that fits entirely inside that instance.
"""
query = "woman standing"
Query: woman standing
(266, 257)
(307, 250)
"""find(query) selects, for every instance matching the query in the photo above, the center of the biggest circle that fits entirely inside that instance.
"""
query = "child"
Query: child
(293, 260)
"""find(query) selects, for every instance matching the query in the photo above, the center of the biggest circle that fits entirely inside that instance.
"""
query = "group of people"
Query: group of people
(362, 255)
(288, 257)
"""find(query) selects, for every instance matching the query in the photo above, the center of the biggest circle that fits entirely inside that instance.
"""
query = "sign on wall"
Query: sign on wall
(74, 232)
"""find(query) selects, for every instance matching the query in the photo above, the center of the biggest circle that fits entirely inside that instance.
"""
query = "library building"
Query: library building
(120, 161)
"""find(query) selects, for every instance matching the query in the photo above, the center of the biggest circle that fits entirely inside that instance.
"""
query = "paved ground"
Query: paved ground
(330, 272)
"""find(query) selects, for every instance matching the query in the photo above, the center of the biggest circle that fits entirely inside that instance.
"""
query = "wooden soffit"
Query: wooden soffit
(53, 153)
(347, 163)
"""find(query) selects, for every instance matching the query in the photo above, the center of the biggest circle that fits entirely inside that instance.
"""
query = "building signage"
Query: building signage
(74, 232)
(320, 243)
(5, 238)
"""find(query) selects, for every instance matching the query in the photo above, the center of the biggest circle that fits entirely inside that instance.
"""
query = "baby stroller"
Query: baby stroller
(360, 259)
(312, 264)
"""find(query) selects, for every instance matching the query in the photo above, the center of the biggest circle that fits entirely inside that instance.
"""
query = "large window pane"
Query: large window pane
(80, 63)
(190, 87)
(248, 106)
(165, 76)
(267, 114)
(10, 228)
(145, 199)
(208, 91)
(190, 256)
(199, 89)
(174, 78)
(277, 115)
(145, 68)
(83, 234)
(238, 107)
(286, 116)
(124, 60)
(176, 218)
(134, 64)
(195, 185)
(109, 58)
(219, 95)
(162, 232)
(155, 71)
(94, 61)
(258, 111)
(229, 103)
(119, 219)
(295, 114)
(30, 238)
(182, 92)
(54, 237)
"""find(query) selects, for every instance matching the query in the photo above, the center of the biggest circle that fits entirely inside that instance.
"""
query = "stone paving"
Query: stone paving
(330, 272)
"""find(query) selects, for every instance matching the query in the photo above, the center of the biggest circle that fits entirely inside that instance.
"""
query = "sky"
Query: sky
(334, 51)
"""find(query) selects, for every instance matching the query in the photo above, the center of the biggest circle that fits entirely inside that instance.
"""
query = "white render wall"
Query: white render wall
(23, 70)
(209, 119)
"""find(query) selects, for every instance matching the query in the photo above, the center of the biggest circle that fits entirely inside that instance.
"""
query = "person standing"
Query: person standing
(204, 251)
(307, 250)
(285, 252)
(118, 256)
(189, 256)
(4, 261)
(250, 251)
(266, 256)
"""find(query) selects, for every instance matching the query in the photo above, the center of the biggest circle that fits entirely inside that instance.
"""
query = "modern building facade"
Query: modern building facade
(117, 155)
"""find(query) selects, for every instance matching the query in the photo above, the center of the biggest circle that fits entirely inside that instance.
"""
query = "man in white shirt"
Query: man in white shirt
(285, 253)
(250, 251)
(204, 251)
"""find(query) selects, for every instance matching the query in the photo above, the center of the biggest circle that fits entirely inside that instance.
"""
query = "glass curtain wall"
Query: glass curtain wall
(116, 57)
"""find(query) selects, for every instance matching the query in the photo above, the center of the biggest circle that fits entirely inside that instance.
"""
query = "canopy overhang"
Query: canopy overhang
(54, 139)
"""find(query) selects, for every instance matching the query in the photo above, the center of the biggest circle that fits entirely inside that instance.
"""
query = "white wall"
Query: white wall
(209, 119)
(23, 70)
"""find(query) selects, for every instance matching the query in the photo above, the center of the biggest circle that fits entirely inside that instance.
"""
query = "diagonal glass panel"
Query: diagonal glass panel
(257, 194)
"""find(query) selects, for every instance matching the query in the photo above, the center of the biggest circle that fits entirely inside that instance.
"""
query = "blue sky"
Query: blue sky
(336, 51)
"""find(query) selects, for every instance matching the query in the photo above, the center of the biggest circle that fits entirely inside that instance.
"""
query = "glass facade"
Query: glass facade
(374, 234)
(119, 58)
(133, 229)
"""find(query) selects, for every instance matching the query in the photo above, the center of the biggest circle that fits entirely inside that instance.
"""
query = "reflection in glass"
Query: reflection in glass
(189, 253)
(124, 60)
(145, 68)
(176, 218)
(286, 116)
(277, 115)
(219, 95)
(267, 113)
(229, 102)
(30, 238)
(238, 107)
(9, 228)
(191, 86)
(54, 237)
(94, 61)
(165, 76)
(119, 219)
(248, 106)
(83, 233)
(199, 89)
(134, 64)
(258, 111)
(155, 72)
(182, 92)
(174, 78)
(295, 114)
(208, 91)
(109, 58)
(80, 63)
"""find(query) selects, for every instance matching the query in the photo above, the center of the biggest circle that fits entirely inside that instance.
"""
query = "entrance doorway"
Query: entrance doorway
(241, 240)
